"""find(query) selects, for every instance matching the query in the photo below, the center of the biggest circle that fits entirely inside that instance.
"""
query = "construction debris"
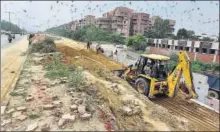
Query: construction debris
(32, 127)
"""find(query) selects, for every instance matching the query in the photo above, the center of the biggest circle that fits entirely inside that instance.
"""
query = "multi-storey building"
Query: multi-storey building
(103, 23)
(153, 19)
(140, 23)
(122, 20)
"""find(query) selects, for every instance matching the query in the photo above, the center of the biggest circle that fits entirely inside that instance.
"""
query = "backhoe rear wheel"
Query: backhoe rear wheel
(142, 85)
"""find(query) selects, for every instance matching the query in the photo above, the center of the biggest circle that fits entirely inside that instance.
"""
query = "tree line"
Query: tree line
(89, 33)
(161, 29)
(5, 25)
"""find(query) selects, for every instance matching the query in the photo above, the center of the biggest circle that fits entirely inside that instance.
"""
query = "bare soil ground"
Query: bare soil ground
(105, 102)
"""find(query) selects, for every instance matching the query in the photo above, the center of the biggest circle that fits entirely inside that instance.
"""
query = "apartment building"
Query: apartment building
(77, 24)
(122, 20)
(140, 23)
(153, 19)
(89, 19)
(103, 23)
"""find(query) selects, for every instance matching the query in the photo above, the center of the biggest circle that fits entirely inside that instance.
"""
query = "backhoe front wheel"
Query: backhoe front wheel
(142, 86)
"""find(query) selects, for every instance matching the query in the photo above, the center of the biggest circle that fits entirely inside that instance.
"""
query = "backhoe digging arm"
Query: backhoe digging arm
(183, 68)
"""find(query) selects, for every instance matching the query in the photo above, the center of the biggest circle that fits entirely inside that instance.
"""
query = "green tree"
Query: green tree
(190, 33)
(150, 34)
(5, 25)
(207, 39)
(137, 42)
(160, 29)
(131, 30)
(182, 33)
(88, 33)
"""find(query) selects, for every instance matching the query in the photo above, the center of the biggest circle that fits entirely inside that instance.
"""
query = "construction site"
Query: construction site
(60, 85)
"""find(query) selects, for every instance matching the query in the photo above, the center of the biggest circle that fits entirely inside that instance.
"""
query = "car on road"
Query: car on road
(119, 46)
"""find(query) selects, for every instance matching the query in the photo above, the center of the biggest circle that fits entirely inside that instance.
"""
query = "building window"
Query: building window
(168, 46)
(197, 49)
(212, 51)
(181, 47)
(176, 47)
(186, 48)
(204, 50)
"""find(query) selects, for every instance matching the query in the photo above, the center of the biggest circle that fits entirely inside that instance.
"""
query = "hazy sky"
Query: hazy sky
(200, 16)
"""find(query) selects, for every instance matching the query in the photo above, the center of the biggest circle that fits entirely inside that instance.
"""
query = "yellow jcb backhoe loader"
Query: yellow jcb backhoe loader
(150, 75)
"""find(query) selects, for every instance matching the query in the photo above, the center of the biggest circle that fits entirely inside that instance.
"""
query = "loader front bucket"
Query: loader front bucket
(118, 73)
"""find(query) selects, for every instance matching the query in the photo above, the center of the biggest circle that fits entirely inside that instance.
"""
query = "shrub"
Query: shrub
(45, 46)
(137, 42)
(34, 116)
(76, 79)
(56, 69)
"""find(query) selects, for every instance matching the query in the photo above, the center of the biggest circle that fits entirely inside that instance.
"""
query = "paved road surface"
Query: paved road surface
(11, 62)
(4, 40)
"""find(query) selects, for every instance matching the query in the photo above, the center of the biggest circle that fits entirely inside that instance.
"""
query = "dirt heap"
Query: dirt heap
(90, 60)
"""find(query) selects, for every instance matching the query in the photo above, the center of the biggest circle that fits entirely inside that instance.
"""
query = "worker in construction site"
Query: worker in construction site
(99, 49)
(116, 52)
(9, 38)
(89, 44)
(30, 37)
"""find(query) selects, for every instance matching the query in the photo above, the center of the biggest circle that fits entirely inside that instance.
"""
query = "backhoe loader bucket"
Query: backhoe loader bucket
(118, 73)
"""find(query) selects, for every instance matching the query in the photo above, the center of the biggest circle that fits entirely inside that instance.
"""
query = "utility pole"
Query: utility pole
(9, 13)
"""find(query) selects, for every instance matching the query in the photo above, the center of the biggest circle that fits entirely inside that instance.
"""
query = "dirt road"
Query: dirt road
(12, 59)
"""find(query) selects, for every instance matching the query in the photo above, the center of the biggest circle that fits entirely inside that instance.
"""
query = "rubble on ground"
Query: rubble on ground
(32, 127)
(99, 106)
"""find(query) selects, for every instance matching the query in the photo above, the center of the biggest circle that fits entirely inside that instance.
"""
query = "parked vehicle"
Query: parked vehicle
(119, 46)
(214, 88)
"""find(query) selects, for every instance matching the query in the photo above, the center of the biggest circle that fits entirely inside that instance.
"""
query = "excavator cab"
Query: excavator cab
(154, 66)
